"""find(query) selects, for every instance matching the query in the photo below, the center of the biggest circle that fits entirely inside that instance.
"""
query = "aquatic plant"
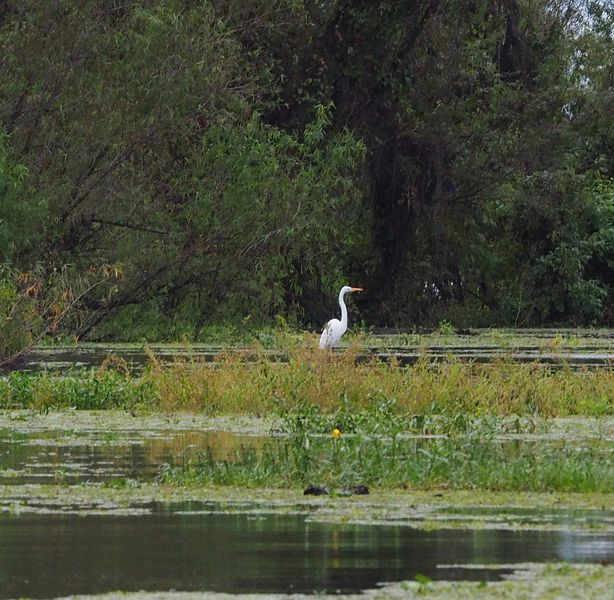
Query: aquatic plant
(370, 395)
(93, 389)
(376, 445)
(463, 462)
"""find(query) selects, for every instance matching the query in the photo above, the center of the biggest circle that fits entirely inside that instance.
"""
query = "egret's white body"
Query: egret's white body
(334, 329)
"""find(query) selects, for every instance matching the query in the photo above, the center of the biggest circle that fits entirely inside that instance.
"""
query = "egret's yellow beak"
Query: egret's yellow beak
(357, 290)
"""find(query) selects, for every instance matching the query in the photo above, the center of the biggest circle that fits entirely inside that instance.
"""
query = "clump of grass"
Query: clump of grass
(469, 462)
(352, 446)
(84, 389)
(255, 383)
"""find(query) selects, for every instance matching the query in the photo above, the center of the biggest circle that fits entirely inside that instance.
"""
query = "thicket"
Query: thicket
(242, 160)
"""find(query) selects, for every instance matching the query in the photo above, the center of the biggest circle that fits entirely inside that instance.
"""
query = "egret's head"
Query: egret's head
(348, 288)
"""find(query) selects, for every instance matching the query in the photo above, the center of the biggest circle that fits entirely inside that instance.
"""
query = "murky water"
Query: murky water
(51, 550)
(184, 548)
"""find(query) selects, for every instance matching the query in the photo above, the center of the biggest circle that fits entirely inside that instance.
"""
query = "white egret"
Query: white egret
(334, 329)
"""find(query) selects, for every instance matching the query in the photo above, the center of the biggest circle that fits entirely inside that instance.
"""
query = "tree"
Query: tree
(243, 159)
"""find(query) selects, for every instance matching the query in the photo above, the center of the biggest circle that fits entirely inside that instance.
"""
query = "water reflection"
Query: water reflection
(63, 457)
(62, 359)
(43, 556)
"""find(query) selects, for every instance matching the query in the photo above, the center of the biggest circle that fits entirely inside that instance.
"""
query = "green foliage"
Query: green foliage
(444, 426)
(18, 315)
(462, 462)
(555, 229)
(266, 202)
(243, 161)
(34, 304)
(316, 392)
(19, 212)
(85, 390)
(445, 328)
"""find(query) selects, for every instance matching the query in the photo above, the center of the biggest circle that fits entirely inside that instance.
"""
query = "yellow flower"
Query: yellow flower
(336, 433)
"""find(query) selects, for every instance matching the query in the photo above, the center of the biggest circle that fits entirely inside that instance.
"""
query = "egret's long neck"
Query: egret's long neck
(344, 311)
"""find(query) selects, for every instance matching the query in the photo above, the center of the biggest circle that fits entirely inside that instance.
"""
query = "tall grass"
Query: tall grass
(249, 382)
(466, 462)
(350, 446)
(374, 404)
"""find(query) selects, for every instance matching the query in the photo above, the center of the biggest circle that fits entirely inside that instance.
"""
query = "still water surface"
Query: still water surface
(186, 549)
(98, 456)
(204, 546)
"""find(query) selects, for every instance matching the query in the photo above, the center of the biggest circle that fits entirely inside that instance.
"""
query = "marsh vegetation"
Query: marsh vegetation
(436, 423)
(475, 463)
(208, 174)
